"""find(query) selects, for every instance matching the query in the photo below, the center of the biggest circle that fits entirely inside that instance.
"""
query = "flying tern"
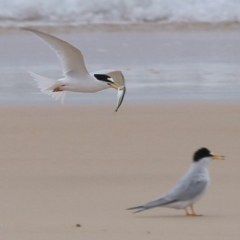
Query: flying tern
(76, 76)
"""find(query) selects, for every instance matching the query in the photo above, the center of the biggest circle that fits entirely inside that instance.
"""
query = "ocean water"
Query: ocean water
(75, 12)
(159, 66)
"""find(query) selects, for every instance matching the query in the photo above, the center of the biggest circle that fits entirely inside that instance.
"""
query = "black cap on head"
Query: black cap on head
(201, 153)
(103, 77)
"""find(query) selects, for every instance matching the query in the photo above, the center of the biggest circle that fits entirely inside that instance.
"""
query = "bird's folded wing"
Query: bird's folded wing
(71, 58)
(159, 202)
(194, 189)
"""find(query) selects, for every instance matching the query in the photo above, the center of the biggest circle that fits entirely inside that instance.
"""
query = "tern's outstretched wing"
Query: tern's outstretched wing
(71, 58)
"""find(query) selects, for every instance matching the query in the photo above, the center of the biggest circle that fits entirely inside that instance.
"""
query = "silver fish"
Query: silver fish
(120, 96)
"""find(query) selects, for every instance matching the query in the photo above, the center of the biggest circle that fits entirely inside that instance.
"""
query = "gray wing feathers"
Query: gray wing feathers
(187, 188)
(159, 202)
(118, 77)
(156, 203)
(193, 190)
(71, 58)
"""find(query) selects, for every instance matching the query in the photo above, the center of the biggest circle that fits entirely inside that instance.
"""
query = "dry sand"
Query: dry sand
(62, 166)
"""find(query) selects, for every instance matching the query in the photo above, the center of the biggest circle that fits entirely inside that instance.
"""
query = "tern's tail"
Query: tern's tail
(140, 209)
(46, 86)
(156, 203)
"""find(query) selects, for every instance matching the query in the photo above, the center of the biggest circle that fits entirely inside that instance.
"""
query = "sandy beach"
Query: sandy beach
(62, 166)
(83, 164)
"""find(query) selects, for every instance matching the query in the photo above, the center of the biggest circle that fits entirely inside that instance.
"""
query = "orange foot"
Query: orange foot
(193, 214)
(57, 89)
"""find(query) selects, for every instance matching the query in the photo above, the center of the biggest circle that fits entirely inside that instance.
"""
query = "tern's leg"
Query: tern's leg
(57, 89)
(193, 212)
(186, 211)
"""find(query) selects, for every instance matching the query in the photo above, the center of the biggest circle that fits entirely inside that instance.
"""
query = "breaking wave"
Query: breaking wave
(74, 12)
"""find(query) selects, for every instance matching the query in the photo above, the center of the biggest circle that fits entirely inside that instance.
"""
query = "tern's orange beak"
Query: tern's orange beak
(218, 157)
(114, 85)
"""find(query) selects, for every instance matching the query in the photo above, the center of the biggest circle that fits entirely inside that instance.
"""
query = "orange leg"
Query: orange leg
(193, 214)
(186, 211)
(57, 89)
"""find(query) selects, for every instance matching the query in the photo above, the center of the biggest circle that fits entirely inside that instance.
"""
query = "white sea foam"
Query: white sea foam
(74, 12)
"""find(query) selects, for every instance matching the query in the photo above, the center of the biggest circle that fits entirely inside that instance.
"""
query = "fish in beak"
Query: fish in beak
(114, 85)
(120, 96)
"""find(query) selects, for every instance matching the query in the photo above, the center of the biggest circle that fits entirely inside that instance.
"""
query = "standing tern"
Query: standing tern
(189, 189)
(76, 77)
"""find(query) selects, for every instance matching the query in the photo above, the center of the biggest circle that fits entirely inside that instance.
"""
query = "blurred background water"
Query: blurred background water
(73, 12)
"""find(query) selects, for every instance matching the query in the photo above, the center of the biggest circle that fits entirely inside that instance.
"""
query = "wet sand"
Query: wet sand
(62, 166)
